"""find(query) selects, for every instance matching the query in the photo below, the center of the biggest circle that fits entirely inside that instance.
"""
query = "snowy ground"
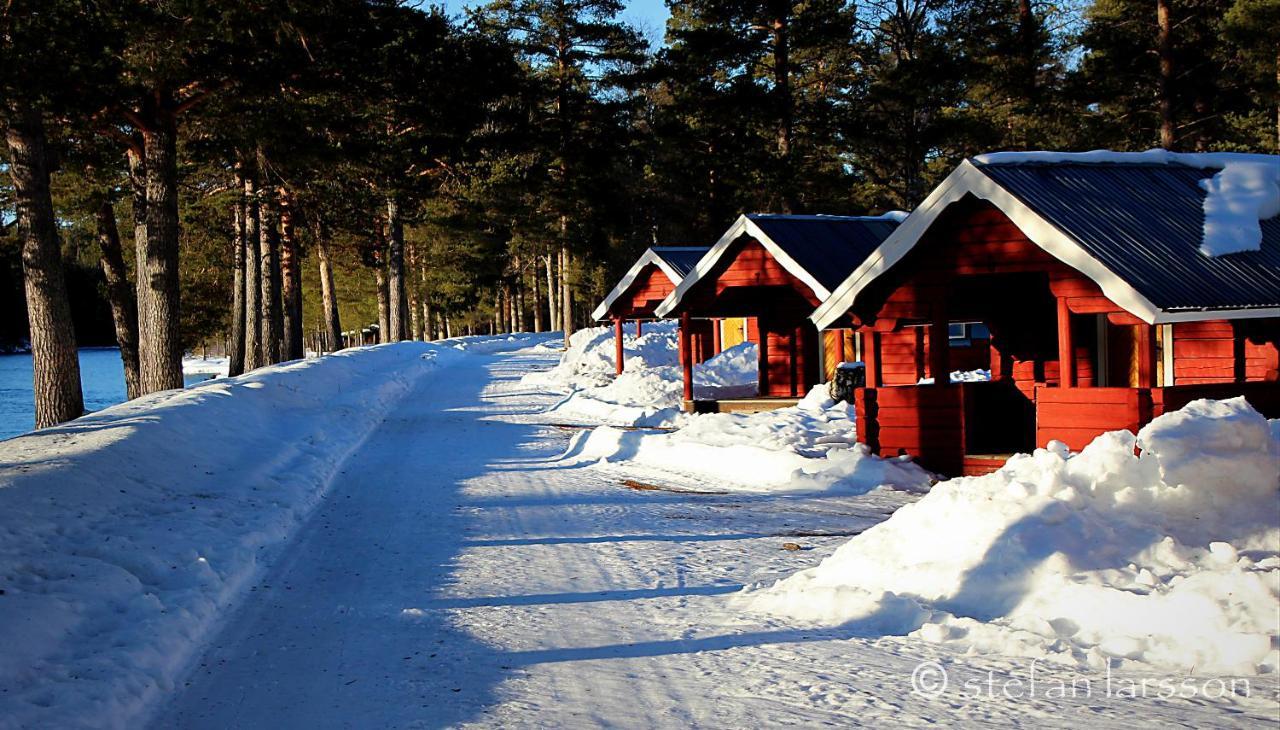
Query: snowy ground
(456, 571)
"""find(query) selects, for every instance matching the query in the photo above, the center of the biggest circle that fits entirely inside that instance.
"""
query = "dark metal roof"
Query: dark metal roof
(829, 247)
(1144, 222)
(680, 258)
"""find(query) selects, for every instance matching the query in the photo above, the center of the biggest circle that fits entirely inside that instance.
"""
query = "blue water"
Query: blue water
(101, 377)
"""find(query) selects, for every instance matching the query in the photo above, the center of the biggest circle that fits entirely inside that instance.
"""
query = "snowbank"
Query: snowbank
(1245, 191)
(215, 366)
(125, 534)
(1170, 559)
(589, 360)
(808, 447)
(649, 391)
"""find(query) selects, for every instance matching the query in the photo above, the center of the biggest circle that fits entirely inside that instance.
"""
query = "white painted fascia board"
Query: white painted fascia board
(1200, 315)
(893, 248)
(649, 257)
(742, 226)
(968, 179)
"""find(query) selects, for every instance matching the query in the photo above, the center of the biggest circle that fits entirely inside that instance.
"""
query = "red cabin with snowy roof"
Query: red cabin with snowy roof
(645, 285)
(772, 270)
(1088, 275)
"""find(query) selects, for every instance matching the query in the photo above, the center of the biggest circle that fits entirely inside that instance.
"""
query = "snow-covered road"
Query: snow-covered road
(457, 574)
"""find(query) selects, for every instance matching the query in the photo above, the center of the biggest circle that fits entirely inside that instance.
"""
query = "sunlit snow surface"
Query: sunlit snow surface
(382, 540)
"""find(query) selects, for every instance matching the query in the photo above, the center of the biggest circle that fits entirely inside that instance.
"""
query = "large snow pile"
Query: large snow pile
(1171, 558)
(124, 534)
(808, 447)
(649, 391)
(1244, 191)
(589, 359)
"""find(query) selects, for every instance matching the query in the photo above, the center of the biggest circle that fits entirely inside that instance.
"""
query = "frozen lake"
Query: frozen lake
(101, 376)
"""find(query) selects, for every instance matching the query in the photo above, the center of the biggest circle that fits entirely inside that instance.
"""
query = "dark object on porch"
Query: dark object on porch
(849, 375)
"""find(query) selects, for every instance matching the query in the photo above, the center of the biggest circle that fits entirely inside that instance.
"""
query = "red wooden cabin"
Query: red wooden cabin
(649, 281)
(1102, 311)
(773, 270)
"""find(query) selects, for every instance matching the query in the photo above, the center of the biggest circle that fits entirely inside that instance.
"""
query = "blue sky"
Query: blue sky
(650, 16)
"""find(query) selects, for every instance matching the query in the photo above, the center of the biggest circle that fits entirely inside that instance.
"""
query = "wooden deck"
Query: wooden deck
(738, 405)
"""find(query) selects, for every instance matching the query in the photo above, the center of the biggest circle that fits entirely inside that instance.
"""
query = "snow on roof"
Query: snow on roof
(1245, 191)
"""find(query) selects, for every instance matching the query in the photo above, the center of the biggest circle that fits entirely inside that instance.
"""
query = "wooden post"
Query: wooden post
(918, 334)
(639, 328)
(618, 349)
(1239, 364)
(871, 358)
(940, 348)
(1066, 347)
(840, 354)
(715, 336)
(763, 385)
(686, 354)
(1146, 346)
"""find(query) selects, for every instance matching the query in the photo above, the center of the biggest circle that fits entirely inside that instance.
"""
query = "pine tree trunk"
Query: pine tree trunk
(566, 296)
(553, 310)
(328, 295)
(235, 356)
(384, 311)
(55, 361)
(519, 298)
(1164, 47)
(291, 281)
(159, 334)
(415, 312)
(124, 311)
(786, 108)
(395, 273)
(138, 198)
(428, 332)
(270, 311)
(537, 297)
(252, 277)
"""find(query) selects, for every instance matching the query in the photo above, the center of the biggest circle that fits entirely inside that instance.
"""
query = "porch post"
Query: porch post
(617, 341)
(1239, 365)
(840, 356)
(686, 354)
(871, 358)
(1146, 345)
(763, 386)
(940, 349)
(639, 328)
(1066, 348)
(715, 336)
(918, 334)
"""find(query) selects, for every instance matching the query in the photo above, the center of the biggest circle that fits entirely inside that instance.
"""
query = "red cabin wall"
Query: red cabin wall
(1205, 352)
(977, 240)
(748, 282)
(792, 352)
(644, 294)
(748, 263)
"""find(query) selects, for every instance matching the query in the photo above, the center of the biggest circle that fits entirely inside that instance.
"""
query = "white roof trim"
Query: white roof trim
(741, 227)
(646, 259)
(969, 179)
